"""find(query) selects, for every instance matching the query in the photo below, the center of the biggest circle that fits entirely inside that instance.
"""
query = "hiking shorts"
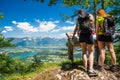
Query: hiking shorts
(86, 37)
(105, 38)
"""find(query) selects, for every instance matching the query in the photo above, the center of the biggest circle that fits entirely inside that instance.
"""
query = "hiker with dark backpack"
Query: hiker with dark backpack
(85, 27)
(105, 28)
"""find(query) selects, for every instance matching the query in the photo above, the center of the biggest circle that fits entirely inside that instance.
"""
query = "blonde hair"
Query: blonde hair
(102, 13)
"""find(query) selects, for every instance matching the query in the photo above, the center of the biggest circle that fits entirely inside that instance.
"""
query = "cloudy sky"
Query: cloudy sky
(34, 19)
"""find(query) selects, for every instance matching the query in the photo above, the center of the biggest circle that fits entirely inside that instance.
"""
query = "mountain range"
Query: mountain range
(38, 41)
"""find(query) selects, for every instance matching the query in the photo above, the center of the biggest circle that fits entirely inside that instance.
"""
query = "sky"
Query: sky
(35, 19)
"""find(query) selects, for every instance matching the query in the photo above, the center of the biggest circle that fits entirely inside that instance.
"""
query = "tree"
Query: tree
(117, 50)
(1, 16)
(88, 5)
(4, 42)
(114, 5)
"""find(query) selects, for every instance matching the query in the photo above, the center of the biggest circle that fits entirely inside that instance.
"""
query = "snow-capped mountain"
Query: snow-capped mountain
(38, 41)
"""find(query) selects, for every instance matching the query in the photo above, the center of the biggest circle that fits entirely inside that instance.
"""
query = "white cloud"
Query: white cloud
(14, 22)
(4, 31)
(8, 28)
(37, 20)
(46, 26)
(55, 30)
(65, 28)
(68, 28)
(25, 26)
(56, 21)
(70, 22)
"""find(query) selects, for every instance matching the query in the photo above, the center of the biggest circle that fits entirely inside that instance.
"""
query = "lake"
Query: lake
(46, 54)
(22, 55)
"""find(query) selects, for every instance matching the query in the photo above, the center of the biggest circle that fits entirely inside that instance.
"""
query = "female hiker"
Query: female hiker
(84, 27)
(104, 40)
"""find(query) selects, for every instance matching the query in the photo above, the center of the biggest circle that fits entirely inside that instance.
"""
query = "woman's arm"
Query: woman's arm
(75, 30)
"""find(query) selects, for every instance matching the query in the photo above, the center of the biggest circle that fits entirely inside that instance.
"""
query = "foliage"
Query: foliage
(107, 58)
(4, 42)
(117, 52)
(14, 68)
(10, 66)
(66, 65)
(90, 5)
(118, 57)
(1, 16)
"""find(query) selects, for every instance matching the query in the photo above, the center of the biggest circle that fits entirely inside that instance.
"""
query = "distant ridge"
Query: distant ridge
(39, 41)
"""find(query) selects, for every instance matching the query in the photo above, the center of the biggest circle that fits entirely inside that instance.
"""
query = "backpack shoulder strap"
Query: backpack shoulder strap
(86, 14)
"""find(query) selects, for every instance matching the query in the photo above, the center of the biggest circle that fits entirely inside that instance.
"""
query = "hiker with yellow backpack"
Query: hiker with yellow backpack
(105, 28)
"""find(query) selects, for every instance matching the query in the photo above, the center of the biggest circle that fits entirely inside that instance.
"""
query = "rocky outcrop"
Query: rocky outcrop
(76, 74)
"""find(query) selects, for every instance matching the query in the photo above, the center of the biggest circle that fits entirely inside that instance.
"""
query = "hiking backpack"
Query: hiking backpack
(84, 23)
(108, 26)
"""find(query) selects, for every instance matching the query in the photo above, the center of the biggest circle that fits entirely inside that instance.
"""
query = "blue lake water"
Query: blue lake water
(22, 55)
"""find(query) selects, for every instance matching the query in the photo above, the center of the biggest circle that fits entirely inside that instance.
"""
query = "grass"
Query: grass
(39, 69)
(43, 67)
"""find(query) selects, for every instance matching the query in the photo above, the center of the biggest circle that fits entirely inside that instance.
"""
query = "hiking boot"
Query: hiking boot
(92, 73)
(85, 69)
(100, 68)
(113, 68)
(107, 67)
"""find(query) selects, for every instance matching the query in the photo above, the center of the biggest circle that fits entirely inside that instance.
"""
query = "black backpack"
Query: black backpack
(108, 26)
(84, 23)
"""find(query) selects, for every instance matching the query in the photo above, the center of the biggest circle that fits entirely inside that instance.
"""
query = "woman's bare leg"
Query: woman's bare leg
(112, 52)
(91, 55)
(83, 46)
(101, 46)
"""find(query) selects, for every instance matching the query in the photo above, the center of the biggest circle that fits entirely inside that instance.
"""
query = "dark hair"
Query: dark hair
(80, 11)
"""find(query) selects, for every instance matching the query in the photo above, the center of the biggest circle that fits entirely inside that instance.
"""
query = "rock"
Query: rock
(76, 74)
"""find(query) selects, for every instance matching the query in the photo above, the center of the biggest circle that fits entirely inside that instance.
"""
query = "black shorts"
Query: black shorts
(86, 37)
(105, 38)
